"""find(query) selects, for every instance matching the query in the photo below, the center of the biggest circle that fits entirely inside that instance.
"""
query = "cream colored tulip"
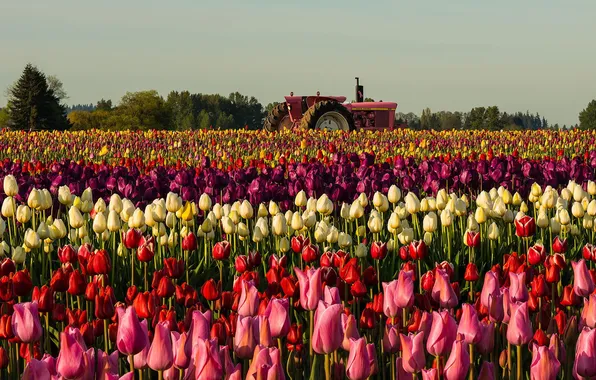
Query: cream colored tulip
(4, 249)
(555, 226)
(116, 203)
(406, 236)
(363, 200)
(205, 202)
(394, 221)
(262, 211)
(87, 195)
(311, 204)
(564, 218)
(427, 238)
(149, 221)
(34, 199)
(361, 251)
(493, 231)
(228, 226)
(61, 229)
(332, 235)
(480, 215)
(588, 222)
(356, 210)
(394, 194)
(517, 199)
(446, 218)
(300, 200)
(218, 211)
(309, 218)
(42, 230)
(279, 225)
(375, 225)
(75, 218)
(8, 207)
(320, 234)
(273, 208)
(257, 235)
(297, 223)
(577, 210)
(592, 208)
(262, 223)
(592, 188)
(284, 244)
(324, 205)
(11, 188)
(137, 220)
(430, 222)
(173, 202)
(100, 206)
(424, 205)
(542, 220)
(344, 212)
(31, 239)
(344, 240)
(472, 223)
(412, 203)
(246, 211)
(461, 208)
(442, 199)
(158, 213)
(18, 255)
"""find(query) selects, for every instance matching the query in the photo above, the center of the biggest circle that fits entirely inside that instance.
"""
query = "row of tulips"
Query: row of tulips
(392, 286)
(189, 147)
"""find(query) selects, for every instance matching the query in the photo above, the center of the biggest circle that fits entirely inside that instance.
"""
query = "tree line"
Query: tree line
(36, 101)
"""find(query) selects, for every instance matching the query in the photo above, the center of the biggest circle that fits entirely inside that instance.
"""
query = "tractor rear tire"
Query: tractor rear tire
(276, 116)
(328, 109)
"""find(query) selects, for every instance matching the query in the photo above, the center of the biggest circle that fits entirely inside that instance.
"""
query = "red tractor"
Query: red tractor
(331, 113)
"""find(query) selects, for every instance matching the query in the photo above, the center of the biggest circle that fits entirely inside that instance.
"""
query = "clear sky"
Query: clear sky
(536, 55)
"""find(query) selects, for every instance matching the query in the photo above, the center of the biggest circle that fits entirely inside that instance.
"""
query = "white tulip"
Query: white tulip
(75, 218)
(115, 203)
(412, 203)
(394, 194)
(246, 211)
(8, 207)
(430, 222)
(11, 188)
(300, 199)
(204, 202)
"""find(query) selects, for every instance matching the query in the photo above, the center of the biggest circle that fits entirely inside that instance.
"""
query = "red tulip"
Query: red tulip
(428, 281)
(99, 263)
(350, 271)
(132, 238)
(525, 226)
(358, 289)
(67, 254)
(418, 250)
(471, 273)
(559, 246)
(22, 284)
(6, 289)
(210, 290)
(472, 239)
(144, 305)
(166, 287)
(378, 250)
(589, 252)
(6, 327)
(310, 253)
(44, 298)
(76, 284)
(146, 249)
(298, 242)
(173, 268)
(189, 242)
(539, 287)
(536, 254)
(552, 271)
(221, 250)
(104, 303)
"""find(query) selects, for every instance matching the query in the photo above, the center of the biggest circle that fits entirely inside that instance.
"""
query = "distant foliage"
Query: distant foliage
(587, 118)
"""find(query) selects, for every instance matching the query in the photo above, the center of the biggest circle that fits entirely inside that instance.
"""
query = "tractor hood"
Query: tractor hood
(371, 106)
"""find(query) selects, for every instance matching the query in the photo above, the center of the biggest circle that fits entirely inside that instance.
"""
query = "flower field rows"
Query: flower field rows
(297, 256)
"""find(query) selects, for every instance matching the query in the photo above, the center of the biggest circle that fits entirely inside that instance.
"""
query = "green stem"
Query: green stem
(519, 362)
(327, 368)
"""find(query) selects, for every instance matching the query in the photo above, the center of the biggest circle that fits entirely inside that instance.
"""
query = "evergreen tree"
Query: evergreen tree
(35, 106)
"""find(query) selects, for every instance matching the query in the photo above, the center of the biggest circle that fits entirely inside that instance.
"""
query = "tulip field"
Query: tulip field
(251, 255)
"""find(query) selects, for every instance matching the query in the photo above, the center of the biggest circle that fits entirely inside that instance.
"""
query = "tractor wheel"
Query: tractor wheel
(278, 118)
(328, 115)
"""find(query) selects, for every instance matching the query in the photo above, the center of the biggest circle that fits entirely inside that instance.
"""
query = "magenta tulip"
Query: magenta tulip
(36, 370)
(517, 287)
(327, 333)
(25, 322)
(400, 371)
(71, 359)
(487, 371)
(331, 295)
(182, 347)
(391, 339)
(277, 312)
(585, 354)
(506, 305)
(390, 294)
(161, 356)
(358, 366)
(106, 364)
(207, 361)
(430, 374)
(588, 315)
(372, 359)
(405, 289)
(263, 331)
(249, 299)
(268, 358)
(201, 326)
(442, 291)
(582, 281)
(495, 307)
(245, 338)
(490, 287)
(442, 334)
(487, 341)
(140, 359)
(311, 291)
(545, 365)
(519, 330)
(458, 363)
(130, 338)
(469, 326)
(350, 329)
(413, 352)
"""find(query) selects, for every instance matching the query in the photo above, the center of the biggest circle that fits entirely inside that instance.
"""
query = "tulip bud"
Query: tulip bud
(472, 223)
(428, 238)
(442, 199)
(10, 186)
(517, 199)
(577, 210)
(344, 240)
(555, 226)
(42, 230)
(300, 199)
(592, 188)
(542, 220)
(297, 223)
(113, 222)
(246, 211)
(309, 219)
(461, 208)
(356, 210)
(8, 207)
(18, 255)
(446, 218)
(218, 211)
(242, 230)
(205, 202)
(31, 239)
(75, 217)
(332, 235)
(375, 225)
(412, 203)
(173, 202)
(394, 194)
(493, 231)
(507, 197)
(284, 244)
(564, 218)
(508, 217)
(480, 215)
(361, 250)
(406, 236)
(99, 223)
(588, 222)
(430, 222)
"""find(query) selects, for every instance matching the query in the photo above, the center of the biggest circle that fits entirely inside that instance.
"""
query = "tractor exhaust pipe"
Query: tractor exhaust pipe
(359, 91)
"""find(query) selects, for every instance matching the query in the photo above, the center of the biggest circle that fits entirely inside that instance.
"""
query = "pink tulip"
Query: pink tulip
(585, 354)
(350, 329)
(232, 371)
(36, 370)
(327, 333)
(495, 307)
(557, 347)
(582, 281)
(182, 348)
(405, 289)
(487, 341)
(331, 295)
(201, 326)
(430, 374)
(426, 322)
(245, 338)
(358, 366)
(391, 339)
(127, 376)
(264, 331)
(490, 286)
(390, 294)
(400, 372)
(517, 287)
(51, 363)
(310, 287)
(487, 371)
(372, 359)
(207, 361)
(71, 359)
(171, 373)
(588, 316)
(458, 363)
(139, 360)
(25, 322)
(106, 364)
(130, 338)
(277, 312)
(506, 305)
(160, 356)
(442, 291)
(469, 326)
(545, 365)
(249, 299)
(413, 352)
(442, 334)
(519, 330)
(270, 359)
